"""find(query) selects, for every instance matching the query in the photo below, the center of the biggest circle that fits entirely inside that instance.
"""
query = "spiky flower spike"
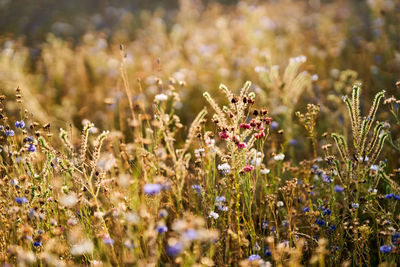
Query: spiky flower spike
(364, 146)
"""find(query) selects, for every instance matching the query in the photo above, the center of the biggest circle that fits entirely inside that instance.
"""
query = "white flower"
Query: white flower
(374, 167)
(84, 247)
(280, 156)
(314, 77)
(69, 200)
(213, 215)
(224, 168)
(279, 204)
(355, 205)
(161, 97)
(265, 171)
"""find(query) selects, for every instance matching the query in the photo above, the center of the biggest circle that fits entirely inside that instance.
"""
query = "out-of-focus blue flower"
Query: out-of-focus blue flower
(338, 188)
(274, 125)
(293, 142)
(108, 241)
(326, 178)
(320, 222)
(197, 188)
(19, 124)
(326, 212)
(162, 229)
(37, 244)
(306, 209)
(389, 196)
(385, 249)
(152, 189)
(264, 225)
(20, 200)
(174, 250)
(333, 227)
(267, 251)
(254, 257)
(190, 234)
(9, 132)
(220, 199)
(31, 148)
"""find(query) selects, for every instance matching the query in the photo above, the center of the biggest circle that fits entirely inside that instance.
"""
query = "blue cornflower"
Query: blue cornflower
(220, 199)
(389, 196)
(197, 188)
(162, 229)
(333, 227)
(385, 249)
(163, 213)
(326, 212)
(108, 241)
(174, 250)
(9, 132)
(320, 222)
(314, 168)
(326, 178)
(338, 188)
(254, 257)
(397, 197)
(319, 172)
(19, 124)
(20, 200)
(267, 251)
(395, 238)
(274, 125)
(29, 139)
(31, 148)
(37, 244)
(306, 209)
(152, 189)
(264, 225)
(285, 223)
(293, 142)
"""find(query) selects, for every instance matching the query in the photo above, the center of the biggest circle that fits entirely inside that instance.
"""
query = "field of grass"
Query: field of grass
(198, 133)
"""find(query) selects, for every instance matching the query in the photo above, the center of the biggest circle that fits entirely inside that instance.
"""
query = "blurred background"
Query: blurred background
(65, 55)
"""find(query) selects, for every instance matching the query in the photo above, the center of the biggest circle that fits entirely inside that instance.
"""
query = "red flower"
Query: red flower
(247, 168)
(259, 135)
(224, 135)
(245, 126)
(241, 145)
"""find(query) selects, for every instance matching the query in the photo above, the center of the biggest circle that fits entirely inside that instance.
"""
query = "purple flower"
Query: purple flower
(385, 249)
(162, 229)
(264, 225)
(254, 257)
(20, 200)
(333, 227)
(31, 148)
(19, 124)
(152, 189)
(338, 188)
(9, 132)
(108, 240)
(220, 199)
(306, 209)
(293, 142)
(274, 125)
(197, 188)
(174, 250)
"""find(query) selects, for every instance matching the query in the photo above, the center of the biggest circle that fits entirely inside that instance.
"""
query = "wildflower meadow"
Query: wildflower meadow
(200, 133)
